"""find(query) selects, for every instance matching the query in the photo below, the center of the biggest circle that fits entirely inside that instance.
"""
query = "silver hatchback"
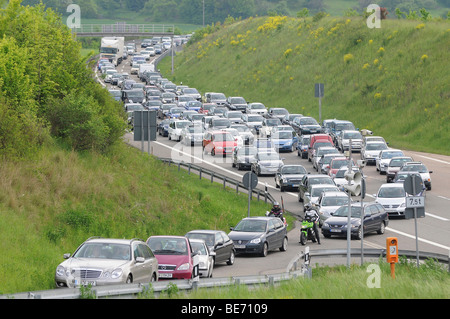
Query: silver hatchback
(102, 261)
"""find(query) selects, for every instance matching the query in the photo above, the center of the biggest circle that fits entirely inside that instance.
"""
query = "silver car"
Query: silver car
(206, 257)
(102, 261)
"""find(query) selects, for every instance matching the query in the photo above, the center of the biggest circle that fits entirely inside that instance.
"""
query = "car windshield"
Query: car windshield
(248, 225)
(207, 238)
(221, 122)
(196, 129)
(269, 156)
(339, 163)
(182, 124)
(238, 100)
(343, 212)
(391, 154)
(415, 167)
(335, 201)
(168, 246)
(320, 180)
(294, 169)
(283, 135)
(316, 191)
(137, 93)
(321, 144)
(234, 115)
(104, 251)
(263, 144)
(135, 107)
(344, 126)
(273, 122)
(375, 146)
(218, 96)
(280, 111)
(391, 192)
(241, 128)
(190, 91)
(223, 137)
(352, 135)
(257, 107)
(198, 248)
(185, 98)
(176, 110)
(398, 162)
(255, 119)
(247, 151)
(308, 121)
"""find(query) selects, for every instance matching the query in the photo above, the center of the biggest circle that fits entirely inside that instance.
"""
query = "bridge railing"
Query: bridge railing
(120, 28)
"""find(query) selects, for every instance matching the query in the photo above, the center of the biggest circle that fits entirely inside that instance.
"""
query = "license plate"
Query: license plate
(239, 246)
(165, 275)
(294, 185)
(335, 230)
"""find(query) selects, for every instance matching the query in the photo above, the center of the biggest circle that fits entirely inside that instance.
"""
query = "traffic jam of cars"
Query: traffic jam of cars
(251, 137)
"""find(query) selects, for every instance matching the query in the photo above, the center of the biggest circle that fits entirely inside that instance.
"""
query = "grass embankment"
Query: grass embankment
(370, 281)
(50, 205)
(393, 80)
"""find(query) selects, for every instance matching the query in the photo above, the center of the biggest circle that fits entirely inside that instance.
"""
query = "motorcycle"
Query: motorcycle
(307, 231)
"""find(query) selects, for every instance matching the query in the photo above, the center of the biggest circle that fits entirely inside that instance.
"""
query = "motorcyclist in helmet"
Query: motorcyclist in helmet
(276, 211)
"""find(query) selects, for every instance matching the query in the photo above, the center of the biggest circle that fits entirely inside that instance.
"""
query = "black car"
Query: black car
(163, 127)
(312, 179)
(236, 103)
(375, 219)
(133, 96)
(258, 235)
(243, 157)
(218, 242)
(289, 176)
(306, 125)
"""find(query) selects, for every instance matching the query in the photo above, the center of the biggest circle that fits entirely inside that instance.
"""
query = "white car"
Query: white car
(314, 191)
(344, 140)
(176, 127)
(267, 163)
(370, 151)
(237, 137)
(206, 257)
(421, 168)
(384, 157)
(393, 198)
(394, 166)
(256, 108)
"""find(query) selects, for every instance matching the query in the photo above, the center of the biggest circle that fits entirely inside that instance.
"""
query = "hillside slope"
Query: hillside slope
(393, 80)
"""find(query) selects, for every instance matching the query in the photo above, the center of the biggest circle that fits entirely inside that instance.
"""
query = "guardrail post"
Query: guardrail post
(224, 182)
(212, 177)
(200, 173)
(189, 169)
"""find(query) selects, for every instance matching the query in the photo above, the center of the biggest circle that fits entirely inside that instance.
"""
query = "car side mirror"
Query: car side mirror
(66, 256)
(140, 259)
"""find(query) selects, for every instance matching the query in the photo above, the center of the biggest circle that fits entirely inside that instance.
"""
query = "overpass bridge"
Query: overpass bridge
(124, 30)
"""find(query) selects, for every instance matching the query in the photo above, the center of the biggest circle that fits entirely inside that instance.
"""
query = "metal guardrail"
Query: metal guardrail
(123, 29)
(238, 185)
(295, 269)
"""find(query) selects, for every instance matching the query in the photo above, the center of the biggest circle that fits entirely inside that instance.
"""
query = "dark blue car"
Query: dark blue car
(258, 235)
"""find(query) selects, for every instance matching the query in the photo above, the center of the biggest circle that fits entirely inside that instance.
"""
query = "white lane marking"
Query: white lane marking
(433, 159)
(263, 184)
(420, 239)
(216, 166)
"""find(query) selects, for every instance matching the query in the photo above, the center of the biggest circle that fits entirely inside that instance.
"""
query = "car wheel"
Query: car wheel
(359, 234)
(213, 152)
(265, 250)
(129, 279)
(153, 278)
(230, 261)
(284, 246)
(382, 228)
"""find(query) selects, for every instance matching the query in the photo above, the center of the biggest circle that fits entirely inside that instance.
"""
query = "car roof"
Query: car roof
(111, 240)
(205, 231)
(334, 194)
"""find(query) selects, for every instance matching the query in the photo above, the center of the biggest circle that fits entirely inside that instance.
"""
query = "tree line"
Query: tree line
(47, 92)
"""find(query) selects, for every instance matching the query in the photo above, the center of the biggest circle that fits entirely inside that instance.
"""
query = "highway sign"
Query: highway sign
(415, 201)
(413, 184)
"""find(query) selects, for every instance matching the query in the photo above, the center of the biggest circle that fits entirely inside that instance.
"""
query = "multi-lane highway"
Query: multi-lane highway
(433, 230)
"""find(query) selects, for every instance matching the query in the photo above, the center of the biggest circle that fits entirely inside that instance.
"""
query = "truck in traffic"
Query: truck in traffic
(112, 48)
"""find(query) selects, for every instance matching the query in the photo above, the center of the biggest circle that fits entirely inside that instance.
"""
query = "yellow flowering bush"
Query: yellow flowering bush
(420, 26)
(366, 66)
(348, 57)
(272, 23)
(424, 58)
(377, 96)
(287, 53)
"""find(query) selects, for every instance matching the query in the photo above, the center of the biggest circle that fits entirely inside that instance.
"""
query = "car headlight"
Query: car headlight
(61, 271)
(219, 147)
(184, 267)
(255, 241)
(326, 224)
(116, 273)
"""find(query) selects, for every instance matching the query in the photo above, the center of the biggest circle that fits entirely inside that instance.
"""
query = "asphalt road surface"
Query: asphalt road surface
(433, 230)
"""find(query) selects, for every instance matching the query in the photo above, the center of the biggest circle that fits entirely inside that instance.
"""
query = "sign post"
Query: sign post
(144, 127)
(318, 92)
(250, 181)
(413, 185)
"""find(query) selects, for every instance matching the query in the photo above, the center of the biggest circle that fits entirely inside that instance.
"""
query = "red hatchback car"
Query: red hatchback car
(174, 255)
(219, 142)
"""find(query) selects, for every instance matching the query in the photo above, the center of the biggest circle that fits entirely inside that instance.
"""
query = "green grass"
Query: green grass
(51, 204)
(394, 82)
(430, 281)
